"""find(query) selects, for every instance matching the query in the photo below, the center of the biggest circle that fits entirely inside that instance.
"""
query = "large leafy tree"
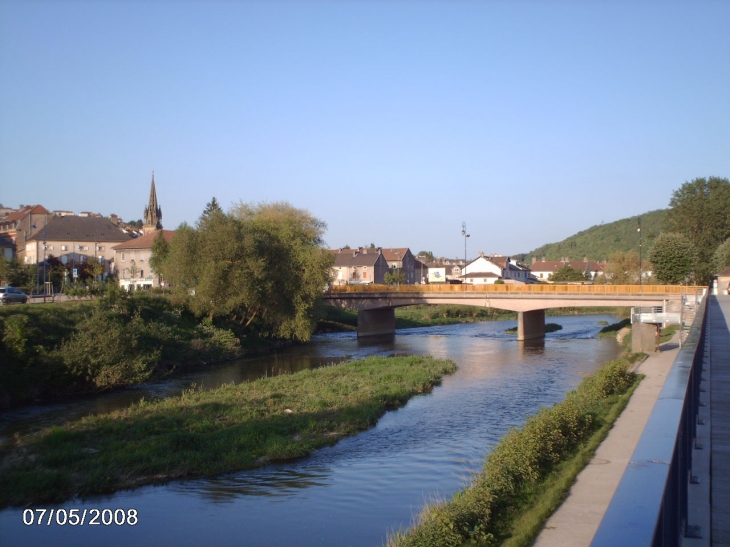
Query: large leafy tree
(673, 258)
(259, 262)
(700, 210)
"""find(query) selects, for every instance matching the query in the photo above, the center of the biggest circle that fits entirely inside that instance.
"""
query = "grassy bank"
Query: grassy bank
(49, 351)
(527, 474)
(210, 432)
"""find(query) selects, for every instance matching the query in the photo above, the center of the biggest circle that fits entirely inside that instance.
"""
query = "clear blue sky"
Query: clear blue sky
(393, 122)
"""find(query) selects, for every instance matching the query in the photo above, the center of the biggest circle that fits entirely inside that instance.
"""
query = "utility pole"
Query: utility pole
(641, 272)
(463, 232)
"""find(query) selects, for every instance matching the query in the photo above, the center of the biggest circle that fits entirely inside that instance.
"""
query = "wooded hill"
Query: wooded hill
(599, 242)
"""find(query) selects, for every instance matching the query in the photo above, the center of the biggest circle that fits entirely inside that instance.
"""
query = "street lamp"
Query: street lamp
(641, 273)
(463, 232)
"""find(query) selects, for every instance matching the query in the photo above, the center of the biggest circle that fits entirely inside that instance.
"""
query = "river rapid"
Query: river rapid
(351, 494)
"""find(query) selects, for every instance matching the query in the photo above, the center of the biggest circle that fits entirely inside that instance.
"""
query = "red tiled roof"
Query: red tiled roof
(144, 242)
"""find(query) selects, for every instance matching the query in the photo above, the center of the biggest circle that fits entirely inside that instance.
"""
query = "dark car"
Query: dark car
(8, 295)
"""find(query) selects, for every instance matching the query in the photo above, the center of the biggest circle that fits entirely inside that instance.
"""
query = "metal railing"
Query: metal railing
(650, 506)
(523, 289)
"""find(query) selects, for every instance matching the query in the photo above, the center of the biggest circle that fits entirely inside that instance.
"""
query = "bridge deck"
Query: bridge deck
(719, 319)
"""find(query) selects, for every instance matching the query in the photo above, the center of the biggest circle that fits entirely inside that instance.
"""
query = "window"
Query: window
(364, 274)
(99, 247)
(64, 247)
(141, 273)
(123, 258)
(141, 257)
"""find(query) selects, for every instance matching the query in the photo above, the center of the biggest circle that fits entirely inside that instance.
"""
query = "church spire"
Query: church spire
(153, 212)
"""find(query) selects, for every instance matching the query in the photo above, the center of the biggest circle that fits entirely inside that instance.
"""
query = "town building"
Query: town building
(401, 258)
(132, 259)
(359, 266)
(75, 239)
(19, 225)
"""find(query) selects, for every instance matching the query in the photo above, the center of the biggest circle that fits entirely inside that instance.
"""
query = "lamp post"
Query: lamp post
(641, 273)
(463, 232)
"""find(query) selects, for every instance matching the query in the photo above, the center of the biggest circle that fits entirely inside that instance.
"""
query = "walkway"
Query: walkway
(719, 319)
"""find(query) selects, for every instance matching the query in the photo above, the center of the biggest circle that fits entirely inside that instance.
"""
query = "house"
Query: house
(402, 258)
(74, 240)
(132, 259)
(489, 269)
(20, 224)
(359, 266)
(513, 271)
(543, 269)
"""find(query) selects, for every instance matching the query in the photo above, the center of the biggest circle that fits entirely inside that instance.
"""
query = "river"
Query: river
(350, 494)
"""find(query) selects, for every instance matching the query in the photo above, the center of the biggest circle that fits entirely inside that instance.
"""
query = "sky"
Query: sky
(392, 121)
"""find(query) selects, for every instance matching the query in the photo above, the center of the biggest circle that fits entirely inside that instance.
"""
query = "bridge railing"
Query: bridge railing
(650, 505)
(520, 289)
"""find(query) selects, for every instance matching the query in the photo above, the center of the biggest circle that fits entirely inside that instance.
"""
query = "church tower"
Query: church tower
(153, 212)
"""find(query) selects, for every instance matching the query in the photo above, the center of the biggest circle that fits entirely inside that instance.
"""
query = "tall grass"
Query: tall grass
(208, 432)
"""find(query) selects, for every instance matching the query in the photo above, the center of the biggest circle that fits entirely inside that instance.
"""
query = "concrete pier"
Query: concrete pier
(531, 325)
(375, 322)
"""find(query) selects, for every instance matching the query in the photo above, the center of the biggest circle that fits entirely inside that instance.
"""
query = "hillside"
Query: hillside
(599, 242)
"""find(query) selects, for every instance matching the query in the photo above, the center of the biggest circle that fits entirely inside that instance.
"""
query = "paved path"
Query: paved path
(575, 523)
(719, 319)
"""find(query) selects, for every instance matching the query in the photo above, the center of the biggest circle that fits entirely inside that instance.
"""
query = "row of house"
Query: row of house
(364, 266)
(32, 234)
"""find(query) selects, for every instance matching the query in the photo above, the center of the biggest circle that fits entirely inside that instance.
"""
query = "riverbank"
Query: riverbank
(52, 351)
(211, 432)
(527, 474)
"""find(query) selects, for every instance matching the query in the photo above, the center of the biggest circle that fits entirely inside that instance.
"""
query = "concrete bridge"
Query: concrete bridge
(376, 303)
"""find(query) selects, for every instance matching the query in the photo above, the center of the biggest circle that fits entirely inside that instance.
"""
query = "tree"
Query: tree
(17, 274)
(211, 208)
(427, 256)
(673, 258)
(721, 257)
(700, 210)
(568, 273)
(260, 262)
(159, 252)
(623, 268)
(396, 276)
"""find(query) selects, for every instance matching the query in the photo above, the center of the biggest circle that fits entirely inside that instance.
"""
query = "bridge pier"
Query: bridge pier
(531, 325)
(375, 322)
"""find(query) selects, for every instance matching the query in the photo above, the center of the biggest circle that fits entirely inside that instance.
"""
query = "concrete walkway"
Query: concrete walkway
(575, 523)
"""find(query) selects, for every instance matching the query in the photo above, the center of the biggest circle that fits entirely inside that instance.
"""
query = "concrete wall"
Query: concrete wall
(643, 337)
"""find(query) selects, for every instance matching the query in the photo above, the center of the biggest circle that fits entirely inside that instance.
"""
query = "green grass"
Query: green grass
(210, 432)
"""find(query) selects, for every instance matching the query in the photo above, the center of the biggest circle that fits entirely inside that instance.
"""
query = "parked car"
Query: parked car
(8, 295)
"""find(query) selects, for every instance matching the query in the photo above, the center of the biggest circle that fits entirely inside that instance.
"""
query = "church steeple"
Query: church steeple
(153, 212)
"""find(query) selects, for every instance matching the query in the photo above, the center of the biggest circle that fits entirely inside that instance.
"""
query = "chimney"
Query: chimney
(481, 254)
(114, 219)
(543, 259)
(534, 259)
(585, 259)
